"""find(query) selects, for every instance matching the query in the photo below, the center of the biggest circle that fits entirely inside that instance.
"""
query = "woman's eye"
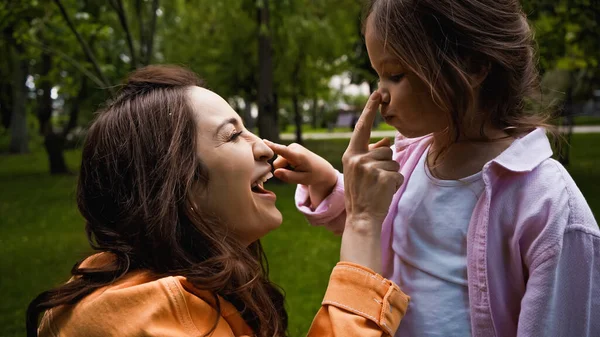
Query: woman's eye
(396, 78)
(235, 136)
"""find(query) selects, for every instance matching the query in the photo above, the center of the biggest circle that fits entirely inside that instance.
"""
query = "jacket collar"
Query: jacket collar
(523, 155)
(526, 153)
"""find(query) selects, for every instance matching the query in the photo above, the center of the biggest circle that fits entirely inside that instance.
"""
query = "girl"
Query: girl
(488, 234)
(171, 188)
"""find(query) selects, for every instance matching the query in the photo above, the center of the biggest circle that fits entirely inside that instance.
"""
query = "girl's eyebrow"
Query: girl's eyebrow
(385, 61)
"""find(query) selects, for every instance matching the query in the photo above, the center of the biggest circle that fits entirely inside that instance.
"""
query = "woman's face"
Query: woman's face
(237, 165)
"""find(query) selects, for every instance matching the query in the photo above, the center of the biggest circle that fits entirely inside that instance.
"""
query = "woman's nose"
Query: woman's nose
(261, 151)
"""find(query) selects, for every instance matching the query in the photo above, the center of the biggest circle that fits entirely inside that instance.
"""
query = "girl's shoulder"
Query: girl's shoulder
(547, 189)
(405, 148)
(539, 209)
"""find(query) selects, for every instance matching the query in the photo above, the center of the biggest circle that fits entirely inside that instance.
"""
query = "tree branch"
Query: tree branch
(118, 7)
(150, 38)
(140, 17)
(72, 61)
(75, 107)
(86, 49)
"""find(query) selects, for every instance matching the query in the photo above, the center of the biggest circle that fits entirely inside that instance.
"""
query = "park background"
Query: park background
(295, 70)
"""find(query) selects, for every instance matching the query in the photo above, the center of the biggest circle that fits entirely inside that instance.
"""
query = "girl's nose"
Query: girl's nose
(385, 95)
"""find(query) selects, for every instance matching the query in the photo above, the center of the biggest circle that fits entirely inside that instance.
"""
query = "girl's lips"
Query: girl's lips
(388, 118)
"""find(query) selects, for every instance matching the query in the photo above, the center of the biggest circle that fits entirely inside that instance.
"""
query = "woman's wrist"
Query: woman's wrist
(361, 244)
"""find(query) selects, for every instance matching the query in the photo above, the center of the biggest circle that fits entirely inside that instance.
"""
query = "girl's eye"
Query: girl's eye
(396, 78)
(235, 136)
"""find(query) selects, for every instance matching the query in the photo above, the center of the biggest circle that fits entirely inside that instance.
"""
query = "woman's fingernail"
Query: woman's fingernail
(376, 95)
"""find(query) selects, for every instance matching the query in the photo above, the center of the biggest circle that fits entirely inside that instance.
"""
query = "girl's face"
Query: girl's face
(237, 165)
(407, 102)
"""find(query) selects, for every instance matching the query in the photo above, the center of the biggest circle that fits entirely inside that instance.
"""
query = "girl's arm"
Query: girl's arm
(562, 297)
(562, 294)
(330, 212)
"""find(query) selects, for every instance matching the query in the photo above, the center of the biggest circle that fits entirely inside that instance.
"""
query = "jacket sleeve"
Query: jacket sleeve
(359, 302)
(562, 297)
(330, 213)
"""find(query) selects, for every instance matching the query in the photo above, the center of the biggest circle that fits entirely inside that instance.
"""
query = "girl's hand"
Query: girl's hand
(371, 179)
(309, 169)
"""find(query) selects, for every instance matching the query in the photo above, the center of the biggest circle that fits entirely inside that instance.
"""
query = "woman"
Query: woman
(171, 188)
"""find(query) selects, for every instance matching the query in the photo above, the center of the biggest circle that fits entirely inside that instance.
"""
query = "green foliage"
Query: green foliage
(567, 33)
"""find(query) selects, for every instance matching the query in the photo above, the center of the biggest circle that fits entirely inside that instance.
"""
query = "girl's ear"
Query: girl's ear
(478, 71)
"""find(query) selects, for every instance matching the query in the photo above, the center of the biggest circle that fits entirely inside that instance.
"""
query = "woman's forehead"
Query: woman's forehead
(208, 105)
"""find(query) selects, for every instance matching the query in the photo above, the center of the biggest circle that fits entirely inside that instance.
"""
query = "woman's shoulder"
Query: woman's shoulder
(138, 304)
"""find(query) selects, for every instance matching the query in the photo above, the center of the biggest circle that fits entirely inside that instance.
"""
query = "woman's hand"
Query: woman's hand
(309, 169)
(371, 179)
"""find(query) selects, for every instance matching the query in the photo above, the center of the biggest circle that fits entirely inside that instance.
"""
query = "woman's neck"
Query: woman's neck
(468, 155)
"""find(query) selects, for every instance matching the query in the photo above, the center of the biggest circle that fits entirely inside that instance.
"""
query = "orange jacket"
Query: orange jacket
(358, 302)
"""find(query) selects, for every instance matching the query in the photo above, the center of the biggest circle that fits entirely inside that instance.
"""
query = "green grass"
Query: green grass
(587, 120)
(41, 233)
(306, 128)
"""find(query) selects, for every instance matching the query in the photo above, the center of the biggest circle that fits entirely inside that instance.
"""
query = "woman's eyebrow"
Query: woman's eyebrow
(228, 121)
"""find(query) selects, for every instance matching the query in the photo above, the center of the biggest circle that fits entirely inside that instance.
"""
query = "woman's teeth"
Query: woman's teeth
(260, 181)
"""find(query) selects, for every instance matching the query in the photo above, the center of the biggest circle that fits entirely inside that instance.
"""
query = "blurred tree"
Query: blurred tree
(65, 46)
(267, 100)
(15, 18)
(568, 37)
(312, 42)
(76, 50)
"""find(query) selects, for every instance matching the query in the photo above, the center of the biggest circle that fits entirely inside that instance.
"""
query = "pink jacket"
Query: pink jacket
(533, 244)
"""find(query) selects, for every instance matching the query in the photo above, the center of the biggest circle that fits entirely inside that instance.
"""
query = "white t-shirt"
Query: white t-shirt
(430, 245)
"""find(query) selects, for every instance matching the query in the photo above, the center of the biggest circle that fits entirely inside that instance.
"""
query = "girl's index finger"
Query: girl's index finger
(280, 149)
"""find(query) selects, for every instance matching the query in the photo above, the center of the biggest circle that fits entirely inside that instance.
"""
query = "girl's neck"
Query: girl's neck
(468, 155)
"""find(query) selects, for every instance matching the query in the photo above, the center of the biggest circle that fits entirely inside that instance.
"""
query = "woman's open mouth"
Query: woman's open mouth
(257, 187)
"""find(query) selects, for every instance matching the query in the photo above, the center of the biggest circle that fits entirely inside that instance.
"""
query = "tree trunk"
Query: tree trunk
(315, 112)
(247, 114)
(6, 93)
(297, 118)
(268, 126)
(564, 149)
(54, 143)
(18, 122)
(75, 107)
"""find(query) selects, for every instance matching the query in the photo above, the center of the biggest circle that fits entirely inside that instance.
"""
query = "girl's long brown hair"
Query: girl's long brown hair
(138, 169)
(445, 42)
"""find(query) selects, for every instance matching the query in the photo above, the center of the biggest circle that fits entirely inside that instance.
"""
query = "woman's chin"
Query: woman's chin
(277, 219)
(268, 224)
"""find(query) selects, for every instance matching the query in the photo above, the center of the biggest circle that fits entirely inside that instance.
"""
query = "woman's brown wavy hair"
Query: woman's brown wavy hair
(445, 42)
(138, 169)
